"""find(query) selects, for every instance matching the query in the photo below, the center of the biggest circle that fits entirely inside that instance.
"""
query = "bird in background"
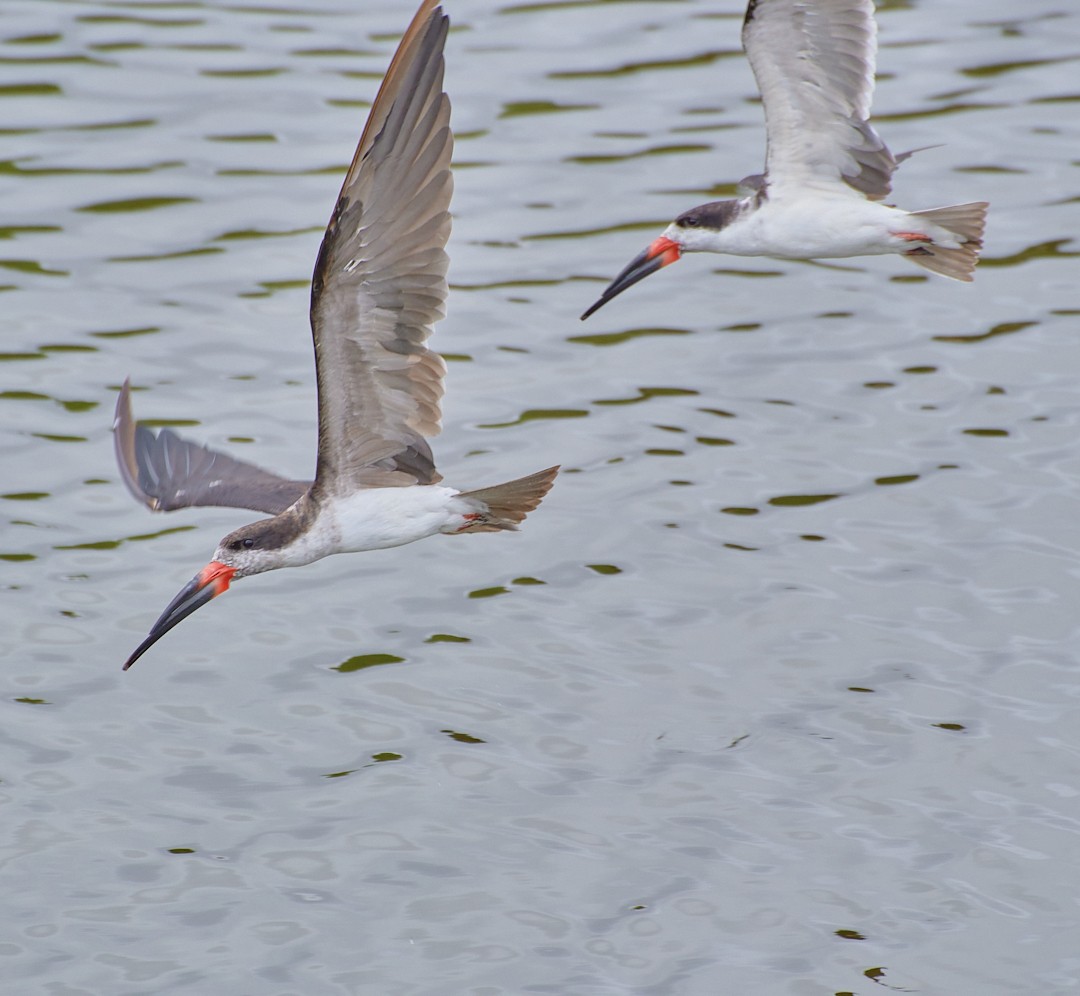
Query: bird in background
(378, 288)
(827, 170)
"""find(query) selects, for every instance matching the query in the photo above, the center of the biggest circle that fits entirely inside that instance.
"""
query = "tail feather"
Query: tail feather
(503, 506)
(966, 222)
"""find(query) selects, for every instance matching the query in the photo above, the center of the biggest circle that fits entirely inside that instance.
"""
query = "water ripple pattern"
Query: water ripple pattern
(778, 692)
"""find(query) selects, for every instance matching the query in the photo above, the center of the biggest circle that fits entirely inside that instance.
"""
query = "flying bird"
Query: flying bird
(827, 170)
(378, 288)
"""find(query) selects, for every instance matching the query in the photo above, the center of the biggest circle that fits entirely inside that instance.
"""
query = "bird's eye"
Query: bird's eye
(248, 543)
(690, 221)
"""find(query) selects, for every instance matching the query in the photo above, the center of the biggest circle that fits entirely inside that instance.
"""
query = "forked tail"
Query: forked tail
(966, 222)
(503, 506)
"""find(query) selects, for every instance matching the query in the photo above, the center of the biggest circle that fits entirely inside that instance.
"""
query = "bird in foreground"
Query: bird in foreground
(378, 288)
(826, 169)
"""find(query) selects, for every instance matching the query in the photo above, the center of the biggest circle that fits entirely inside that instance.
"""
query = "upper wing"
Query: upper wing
(814, 65)
(166, 472)
(380, 280)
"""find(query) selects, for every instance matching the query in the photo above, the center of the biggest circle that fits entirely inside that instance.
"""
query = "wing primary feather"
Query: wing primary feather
(380, 278)
(165, 472)
(814, 64)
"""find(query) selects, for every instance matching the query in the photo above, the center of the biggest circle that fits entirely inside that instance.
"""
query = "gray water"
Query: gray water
(778, 691)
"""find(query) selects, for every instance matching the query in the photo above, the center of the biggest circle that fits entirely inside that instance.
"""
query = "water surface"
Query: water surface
(776, 693)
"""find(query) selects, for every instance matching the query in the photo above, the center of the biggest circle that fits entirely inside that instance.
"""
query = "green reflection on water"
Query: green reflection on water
(180, 254)
(897, 479)
(937, 112)
(463, 738)
(108, 125)
(11, 167)
(536, 415)
(40, 39)
(31, 266)
(497, 285)
(52, 60)
(30, 90)
(362, 661)
(999, 68)
(273, 286)
(793, 501)
(632, 68)
(617, 338)
(588, 233)
(124, 333)
(345, 53)
(605, 569)
(131, 204)
(243, 73)
(250, 137)
(1005, 328)
(645, 393)
(11, 231)
(525, 108)
(655, 150)
(1044, 250)
(150, 22)
(262, 233)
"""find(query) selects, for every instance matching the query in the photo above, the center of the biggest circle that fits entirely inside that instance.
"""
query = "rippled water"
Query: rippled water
(777, 693)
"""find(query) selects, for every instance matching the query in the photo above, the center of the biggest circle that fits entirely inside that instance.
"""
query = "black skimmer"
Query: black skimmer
(378, 288)
(826, 169)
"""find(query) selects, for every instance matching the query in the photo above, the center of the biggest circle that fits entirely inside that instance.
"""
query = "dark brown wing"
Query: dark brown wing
(166, 472)
(380, 280)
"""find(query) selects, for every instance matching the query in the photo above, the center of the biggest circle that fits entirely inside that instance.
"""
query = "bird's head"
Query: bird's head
(696, 230)
(693, 231)
(248, 550)
(251, 549)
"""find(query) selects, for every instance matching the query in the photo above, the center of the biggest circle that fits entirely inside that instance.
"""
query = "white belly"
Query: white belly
(385, 517)
(376, 519)
(805, 228)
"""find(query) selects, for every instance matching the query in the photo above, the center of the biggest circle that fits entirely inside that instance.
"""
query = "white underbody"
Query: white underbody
(378, 518)
(814, 227)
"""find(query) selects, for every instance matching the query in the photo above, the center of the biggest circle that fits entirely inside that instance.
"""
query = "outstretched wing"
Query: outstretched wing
(166, 472)
(814, 65)
(380, 280)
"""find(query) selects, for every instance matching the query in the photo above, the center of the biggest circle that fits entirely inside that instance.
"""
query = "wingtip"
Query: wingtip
(123, 403)
(124, 445)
